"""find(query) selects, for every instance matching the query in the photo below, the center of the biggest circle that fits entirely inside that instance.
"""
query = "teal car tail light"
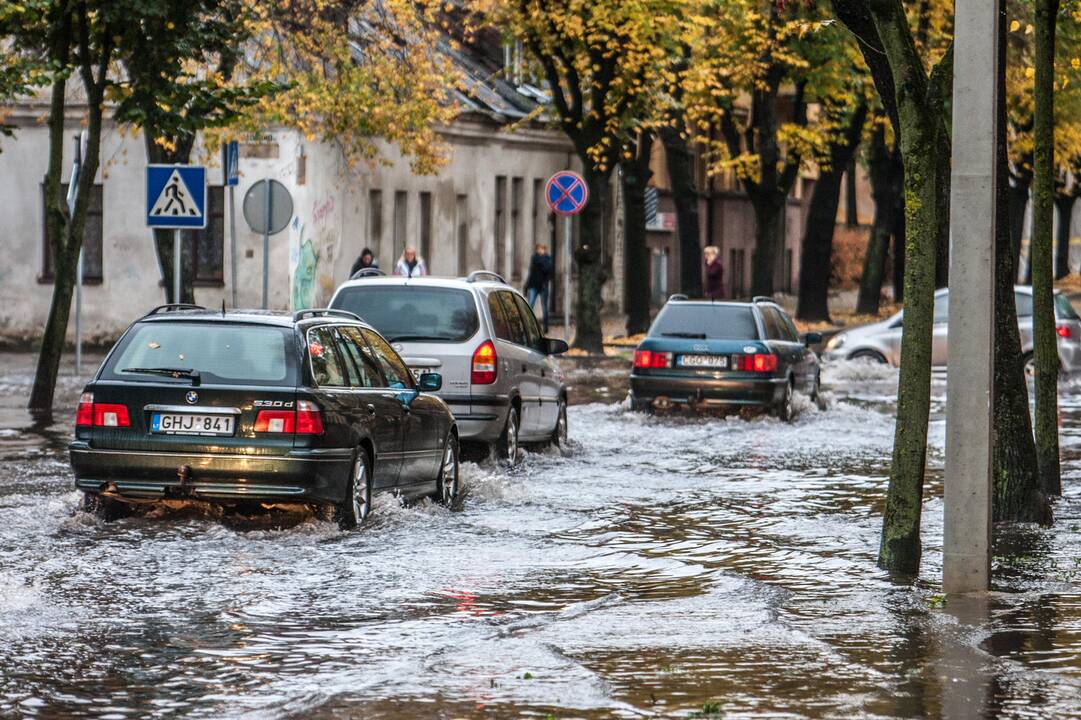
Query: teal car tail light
(652, 359)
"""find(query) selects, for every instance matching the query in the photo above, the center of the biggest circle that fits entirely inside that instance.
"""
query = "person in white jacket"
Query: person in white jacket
(410, 264)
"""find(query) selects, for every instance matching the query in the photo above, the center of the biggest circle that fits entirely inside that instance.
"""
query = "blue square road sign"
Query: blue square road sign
(176, 196)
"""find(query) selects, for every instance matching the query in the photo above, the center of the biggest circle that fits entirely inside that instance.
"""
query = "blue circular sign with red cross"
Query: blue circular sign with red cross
(566, 193)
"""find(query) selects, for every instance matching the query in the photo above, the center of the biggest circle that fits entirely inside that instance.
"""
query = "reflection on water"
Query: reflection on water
(662, 566)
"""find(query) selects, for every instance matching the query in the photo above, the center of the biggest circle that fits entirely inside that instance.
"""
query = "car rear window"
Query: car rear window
(222, 353)
(716, 322)
(409, 312)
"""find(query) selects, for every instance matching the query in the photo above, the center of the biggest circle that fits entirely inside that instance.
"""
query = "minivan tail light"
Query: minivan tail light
(652, 359)
(1063, 331)
(485, 364)
(309, 419)
(84, 414)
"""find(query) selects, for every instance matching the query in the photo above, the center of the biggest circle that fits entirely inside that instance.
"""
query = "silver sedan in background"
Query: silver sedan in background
(881, 341)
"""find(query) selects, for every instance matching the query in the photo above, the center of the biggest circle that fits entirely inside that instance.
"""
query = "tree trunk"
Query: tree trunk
(635, 178)
(680, 166)
(1064, 206)
(817, 250)
(768, 229)
(1016, 493)
(1043, 208)
(883, 165)
(920, 138)
(1020, 184)
(588, 258)
(899, 249)
(852, 208)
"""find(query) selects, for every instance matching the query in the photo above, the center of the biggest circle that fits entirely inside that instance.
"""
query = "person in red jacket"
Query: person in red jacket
(714, 272)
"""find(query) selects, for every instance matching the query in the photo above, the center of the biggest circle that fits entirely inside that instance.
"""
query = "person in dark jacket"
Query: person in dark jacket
(714, 272)
(365, 260)
(539, 280)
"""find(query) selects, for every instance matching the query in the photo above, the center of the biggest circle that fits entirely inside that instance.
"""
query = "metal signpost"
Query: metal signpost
(72, 197)
(268, 208)
(176, 199)
(566, 194)
(230, 169)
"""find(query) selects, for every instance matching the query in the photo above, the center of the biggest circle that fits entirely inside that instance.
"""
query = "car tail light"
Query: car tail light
(309, 419)
(485, 364)
(305, 420)
(91, 414)
(759, 362)
(1063, 331)
(275, 421)
(111, 415)
(652, 359)
(84, 414)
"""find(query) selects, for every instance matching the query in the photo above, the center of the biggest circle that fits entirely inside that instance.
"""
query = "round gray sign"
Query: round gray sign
(268, 207)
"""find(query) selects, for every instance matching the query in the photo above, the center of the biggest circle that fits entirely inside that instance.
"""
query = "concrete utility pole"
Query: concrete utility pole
(967, 527)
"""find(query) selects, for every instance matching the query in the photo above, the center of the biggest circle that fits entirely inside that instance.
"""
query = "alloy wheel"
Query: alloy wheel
(561, 426)
(362, 492)
(448, 475)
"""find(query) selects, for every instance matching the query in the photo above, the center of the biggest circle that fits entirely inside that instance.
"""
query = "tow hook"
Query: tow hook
(662, 403)
(183, 474)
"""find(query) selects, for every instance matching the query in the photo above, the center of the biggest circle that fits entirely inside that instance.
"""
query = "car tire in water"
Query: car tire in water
(869, 355)
(104, 508)
(559, 435)
(447, 482)
(356, 506)
(816, 392)
(507, 448)
(783, 410)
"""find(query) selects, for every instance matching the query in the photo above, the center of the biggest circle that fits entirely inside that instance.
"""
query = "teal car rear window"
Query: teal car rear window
(711, 322)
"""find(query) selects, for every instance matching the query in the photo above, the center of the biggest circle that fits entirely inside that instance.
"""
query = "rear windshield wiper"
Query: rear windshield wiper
(175, 373)
(688, 335)
(416, 338)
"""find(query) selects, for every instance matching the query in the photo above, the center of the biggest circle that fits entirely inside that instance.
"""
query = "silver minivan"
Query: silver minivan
(881, 341)
(500, 378)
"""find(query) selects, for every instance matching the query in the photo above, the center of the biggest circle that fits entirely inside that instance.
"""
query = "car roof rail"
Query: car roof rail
(763, 298)
(476, 274)
(677, 296)
(367, 272)
(324, 312)
(173, 307)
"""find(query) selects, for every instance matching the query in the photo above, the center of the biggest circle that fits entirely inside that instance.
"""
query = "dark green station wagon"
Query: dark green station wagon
(256, 408)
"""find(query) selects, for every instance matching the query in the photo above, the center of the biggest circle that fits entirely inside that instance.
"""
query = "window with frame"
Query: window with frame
(93, 270)
(529, 322)
(204, 248)
(327, 370)
(356, 349)
(394, 370)
(500, 223)
(425, 248)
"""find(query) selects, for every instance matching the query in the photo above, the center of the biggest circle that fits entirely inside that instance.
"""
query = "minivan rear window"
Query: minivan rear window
(1065, 308)
(715, 322)
(222, 353)
(412, 313)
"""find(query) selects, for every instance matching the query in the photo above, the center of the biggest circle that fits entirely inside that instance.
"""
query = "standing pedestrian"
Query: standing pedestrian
(410, 264)
(714, 272)
(364, 261)
(538, 281)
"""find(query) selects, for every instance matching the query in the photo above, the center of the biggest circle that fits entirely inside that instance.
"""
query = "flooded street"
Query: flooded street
(661, 567)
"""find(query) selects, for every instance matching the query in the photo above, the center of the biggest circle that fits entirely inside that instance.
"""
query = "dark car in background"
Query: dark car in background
(250, 408)
(703, 354)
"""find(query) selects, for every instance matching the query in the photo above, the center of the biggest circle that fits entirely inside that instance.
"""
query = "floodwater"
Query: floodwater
(662, 567)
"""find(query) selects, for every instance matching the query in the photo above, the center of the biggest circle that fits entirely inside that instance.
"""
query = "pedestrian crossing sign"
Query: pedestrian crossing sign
(176, 196)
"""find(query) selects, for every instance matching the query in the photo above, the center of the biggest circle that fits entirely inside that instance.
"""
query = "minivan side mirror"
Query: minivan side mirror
(812, 338)
(552, 346)
(430, 382)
